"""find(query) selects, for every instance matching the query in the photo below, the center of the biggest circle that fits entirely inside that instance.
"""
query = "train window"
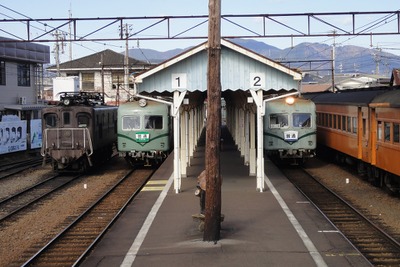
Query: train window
(83, 120)
(50, 120)
(131, 123)
(301, 119)
(396, 137)
(387, 131)
(66, 118)
(278, 120)
(330, 120)
(364, 121)
(355, 125)
(153, 122)
(339, 121)
(344, 123)
(334, 121)
(379, 130)
(348, 124)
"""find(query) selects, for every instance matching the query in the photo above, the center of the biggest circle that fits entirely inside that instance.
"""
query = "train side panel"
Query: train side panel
(388, 139)
(337, 128)
(363, 127)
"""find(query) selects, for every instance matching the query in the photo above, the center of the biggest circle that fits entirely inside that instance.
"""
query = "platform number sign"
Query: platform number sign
(179, 81)
(257, 80)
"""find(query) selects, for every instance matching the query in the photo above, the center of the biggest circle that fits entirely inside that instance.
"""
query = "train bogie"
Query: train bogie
(290, 129)
(144, 132)
(78, 135)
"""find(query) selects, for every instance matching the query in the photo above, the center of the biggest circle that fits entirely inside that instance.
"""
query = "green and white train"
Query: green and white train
(144, 132)
(290, 131)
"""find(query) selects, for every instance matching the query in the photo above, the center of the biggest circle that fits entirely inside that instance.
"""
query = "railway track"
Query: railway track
(372, 241)
(13, 168)
(71, 245)
(13, 204)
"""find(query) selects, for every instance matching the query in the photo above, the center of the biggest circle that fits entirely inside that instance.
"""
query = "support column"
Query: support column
(258, 99)
(253, 151)
(246, 138)
(242, 133)
(184, 143)
(178, 98)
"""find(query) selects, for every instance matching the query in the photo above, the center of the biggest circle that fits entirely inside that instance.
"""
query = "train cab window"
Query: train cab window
(278, 120)
(83, 120)
(153, 122)
(66, 118)
(302, 120)
(131, 123)
(50, 120)
(396, 136)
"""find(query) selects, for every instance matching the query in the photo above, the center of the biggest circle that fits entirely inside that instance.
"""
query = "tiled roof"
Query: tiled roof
(110, 59)
(312, 88)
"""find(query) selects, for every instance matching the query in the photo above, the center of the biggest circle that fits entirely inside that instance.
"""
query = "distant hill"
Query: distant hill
(349, 58)
(153, 56)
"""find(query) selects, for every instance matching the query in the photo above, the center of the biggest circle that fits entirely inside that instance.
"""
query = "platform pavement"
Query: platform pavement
(278, 227)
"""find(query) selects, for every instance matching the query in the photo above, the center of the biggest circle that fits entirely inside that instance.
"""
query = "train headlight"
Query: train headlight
(142, 102)
(289, 100)
(66, 102)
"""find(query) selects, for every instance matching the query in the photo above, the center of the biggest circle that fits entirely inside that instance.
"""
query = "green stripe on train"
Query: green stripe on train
(141, 143)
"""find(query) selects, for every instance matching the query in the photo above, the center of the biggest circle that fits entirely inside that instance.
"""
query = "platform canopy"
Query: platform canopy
(245, 76)
(241, 69)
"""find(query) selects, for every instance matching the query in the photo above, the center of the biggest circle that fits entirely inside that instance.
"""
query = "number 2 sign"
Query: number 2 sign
(257, 80)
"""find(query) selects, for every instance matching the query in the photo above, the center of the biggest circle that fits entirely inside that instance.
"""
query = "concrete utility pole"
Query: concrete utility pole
(333, 62)
(59, 38)
(126, 63)
(212, 223)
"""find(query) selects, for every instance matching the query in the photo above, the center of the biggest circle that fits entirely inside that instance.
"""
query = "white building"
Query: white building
(21, 77)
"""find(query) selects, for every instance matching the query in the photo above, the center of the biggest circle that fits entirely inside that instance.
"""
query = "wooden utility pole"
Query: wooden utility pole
(212, 223)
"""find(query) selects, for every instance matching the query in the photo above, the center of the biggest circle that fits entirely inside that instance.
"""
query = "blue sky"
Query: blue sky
(40, 9)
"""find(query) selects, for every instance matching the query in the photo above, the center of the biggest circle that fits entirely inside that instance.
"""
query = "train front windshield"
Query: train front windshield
(50, 120)
(153, 122)
(281, 120)
(278, 120)
(131, 123)
(302, 120)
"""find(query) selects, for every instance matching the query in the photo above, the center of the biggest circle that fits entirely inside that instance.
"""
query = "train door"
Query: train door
(369, 132)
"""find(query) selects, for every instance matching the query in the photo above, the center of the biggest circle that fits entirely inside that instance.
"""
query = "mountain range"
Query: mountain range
(308, 57)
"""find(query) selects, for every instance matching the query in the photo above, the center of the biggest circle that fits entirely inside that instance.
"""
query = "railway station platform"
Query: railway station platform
(277, 227)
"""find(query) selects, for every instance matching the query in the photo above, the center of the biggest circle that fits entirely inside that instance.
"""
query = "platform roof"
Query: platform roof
(241, 69)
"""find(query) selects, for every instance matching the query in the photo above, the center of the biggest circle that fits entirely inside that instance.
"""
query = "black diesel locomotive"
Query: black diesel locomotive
(79, 132)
